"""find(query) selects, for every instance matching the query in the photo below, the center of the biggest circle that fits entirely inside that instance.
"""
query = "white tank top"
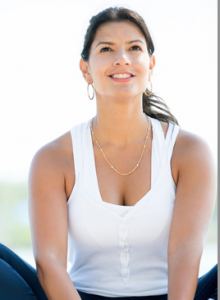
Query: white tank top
(116, 250)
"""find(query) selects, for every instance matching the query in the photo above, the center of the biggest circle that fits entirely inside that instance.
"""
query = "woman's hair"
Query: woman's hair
(153, 105)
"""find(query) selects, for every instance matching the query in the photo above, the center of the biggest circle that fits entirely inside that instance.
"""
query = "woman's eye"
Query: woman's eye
(107, 48)
(104, 49)
(135, 47)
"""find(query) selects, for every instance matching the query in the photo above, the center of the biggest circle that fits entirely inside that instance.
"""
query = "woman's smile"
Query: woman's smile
(126, 79)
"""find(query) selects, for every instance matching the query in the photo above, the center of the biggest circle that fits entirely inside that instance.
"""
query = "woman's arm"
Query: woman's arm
(48, 221)
(193, 209)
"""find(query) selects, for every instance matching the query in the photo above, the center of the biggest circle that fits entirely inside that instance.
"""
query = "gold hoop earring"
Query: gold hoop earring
(150, 91)
(88, 91)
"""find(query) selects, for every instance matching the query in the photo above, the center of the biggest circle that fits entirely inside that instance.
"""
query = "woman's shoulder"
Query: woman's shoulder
(190, 145)
(56, 151)
(191, 155)
(54, 162)
(55, 159)
(190, 151)
(187, 142)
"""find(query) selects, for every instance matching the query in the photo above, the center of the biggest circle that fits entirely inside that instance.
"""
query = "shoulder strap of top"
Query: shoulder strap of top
(77, 136)
(157, 149)
(162, 145)
(171, 139)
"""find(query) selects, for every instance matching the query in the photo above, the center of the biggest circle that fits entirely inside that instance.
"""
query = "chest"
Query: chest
(106, 185)
(118, 189)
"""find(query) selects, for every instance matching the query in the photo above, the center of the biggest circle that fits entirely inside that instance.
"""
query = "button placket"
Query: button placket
(124, 253)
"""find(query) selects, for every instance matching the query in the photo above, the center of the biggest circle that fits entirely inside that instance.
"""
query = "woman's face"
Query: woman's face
(118, 47)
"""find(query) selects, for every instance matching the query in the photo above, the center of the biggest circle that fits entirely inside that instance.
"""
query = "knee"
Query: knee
(12, 285)
(4, 252)
(215, 269)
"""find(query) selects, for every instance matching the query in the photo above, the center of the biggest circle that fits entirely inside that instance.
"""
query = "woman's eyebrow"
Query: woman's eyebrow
(110, 43)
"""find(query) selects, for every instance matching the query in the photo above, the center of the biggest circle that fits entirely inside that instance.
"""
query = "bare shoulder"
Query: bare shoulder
(54, 150)
(192, 153)
(53, 155)
(54, 161)
(189, 145)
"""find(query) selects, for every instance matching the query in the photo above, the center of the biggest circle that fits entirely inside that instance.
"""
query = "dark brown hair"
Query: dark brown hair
(153, 105)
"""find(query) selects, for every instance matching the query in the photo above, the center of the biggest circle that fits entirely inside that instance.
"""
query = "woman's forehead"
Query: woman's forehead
(117, 30)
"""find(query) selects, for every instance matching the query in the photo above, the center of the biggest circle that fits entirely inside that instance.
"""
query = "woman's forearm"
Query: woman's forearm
(56, 282)
(183, 269)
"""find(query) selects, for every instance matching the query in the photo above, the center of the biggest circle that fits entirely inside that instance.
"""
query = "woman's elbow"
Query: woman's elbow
(47, 266)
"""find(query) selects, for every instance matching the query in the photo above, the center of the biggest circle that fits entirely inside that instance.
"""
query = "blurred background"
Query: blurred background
(43, 94)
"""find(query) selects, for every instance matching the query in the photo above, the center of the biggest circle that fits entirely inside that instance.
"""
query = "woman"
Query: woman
(135, 192)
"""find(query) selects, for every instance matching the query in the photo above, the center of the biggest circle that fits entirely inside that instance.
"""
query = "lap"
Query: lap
(206, 288)
(206, 284)
(23, 276)
(18, 280)
(86, 296)
(19, 290)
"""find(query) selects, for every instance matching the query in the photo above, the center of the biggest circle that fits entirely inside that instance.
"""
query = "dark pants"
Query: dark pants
(18, 281)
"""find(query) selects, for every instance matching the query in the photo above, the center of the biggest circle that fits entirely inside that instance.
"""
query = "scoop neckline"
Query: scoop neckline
(100, 203)
(94, 172)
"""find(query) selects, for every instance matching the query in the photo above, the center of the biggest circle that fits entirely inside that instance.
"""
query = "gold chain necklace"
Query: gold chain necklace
(148, 130)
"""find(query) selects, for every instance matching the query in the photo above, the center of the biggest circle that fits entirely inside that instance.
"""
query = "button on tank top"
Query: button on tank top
(116, 250)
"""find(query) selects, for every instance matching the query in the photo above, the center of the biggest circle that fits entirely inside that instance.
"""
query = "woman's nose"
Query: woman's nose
(122, 58)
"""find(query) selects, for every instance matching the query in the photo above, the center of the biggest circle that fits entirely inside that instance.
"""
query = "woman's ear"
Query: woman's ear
(152, 64)
(83, 65)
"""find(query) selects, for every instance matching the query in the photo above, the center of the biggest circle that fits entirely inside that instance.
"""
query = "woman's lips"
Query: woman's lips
(122, 79)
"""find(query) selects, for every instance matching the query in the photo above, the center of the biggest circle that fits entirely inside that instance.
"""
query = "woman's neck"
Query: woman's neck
(120, 124)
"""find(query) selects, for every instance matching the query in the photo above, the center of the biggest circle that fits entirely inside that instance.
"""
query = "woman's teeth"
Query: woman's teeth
(121, 75)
